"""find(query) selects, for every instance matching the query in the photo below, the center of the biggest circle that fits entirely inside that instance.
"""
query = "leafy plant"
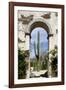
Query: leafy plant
(21, 65)
(54, 61)
(44, 65)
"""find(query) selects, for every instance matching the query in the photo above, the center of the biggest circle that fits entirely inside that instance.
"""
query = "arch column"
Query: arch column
(50, 56)
(45, 25)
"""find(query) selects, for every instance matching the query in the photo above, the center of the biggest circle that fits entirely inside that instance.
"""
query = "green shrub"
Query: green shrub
(21, 65)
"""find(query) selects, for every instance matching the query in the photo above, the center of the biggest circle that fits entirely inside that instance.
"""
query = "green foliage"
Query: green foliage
(44, 66)
(31, 63)
(54, 66)
(21, 65)
(54, 62)
(45, 62)
(34, 65)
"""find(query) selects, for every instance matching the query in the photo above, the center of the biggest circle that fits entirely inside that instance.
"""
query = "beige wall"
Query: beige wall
(25, 28)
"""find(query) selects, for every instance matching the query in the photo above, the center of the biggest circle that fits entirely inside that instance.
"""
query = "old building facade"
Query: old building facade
(28, 20)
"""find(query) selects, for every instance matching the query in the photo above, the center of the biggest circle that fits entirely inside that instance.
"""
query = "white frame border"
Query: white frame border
(33, 80)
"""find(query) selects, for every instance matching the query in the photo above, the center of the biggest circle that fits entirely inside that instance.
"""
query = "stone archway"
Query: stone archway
(40, 22)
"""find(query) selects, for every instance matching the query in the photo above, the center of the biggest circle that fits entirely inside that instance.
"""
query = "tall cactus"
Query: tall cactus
(37, 50)
(37, 47)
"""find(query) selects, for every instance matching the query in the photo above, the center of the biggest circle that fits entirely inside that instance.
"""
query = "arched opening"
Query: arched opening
(37, 43)
(39, 60)
(39, 46)
(43, 40)
(39, 24)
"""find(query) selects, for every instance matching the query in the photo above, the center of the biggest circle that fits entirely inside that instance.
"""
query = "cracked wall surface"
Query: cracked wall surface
(28, 18)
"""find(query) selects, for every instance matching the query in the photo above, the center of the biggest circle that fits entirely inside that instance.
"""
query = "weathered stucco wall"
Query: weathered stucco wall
(27, 18)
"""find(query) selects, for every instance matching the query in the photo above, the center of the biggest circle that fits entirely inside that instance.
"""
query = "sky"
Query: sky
(43, 40)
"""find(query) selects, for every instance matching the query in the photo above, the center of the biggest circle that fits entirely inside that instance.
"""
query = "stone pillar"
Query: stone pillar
(27, 45)
(28, 70)
(50, 56)
(49, 67)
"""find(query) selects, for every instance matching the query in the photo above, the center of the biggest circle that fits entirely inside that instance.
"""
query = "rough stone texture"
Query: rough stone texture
(23, 28)
(27, 22)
